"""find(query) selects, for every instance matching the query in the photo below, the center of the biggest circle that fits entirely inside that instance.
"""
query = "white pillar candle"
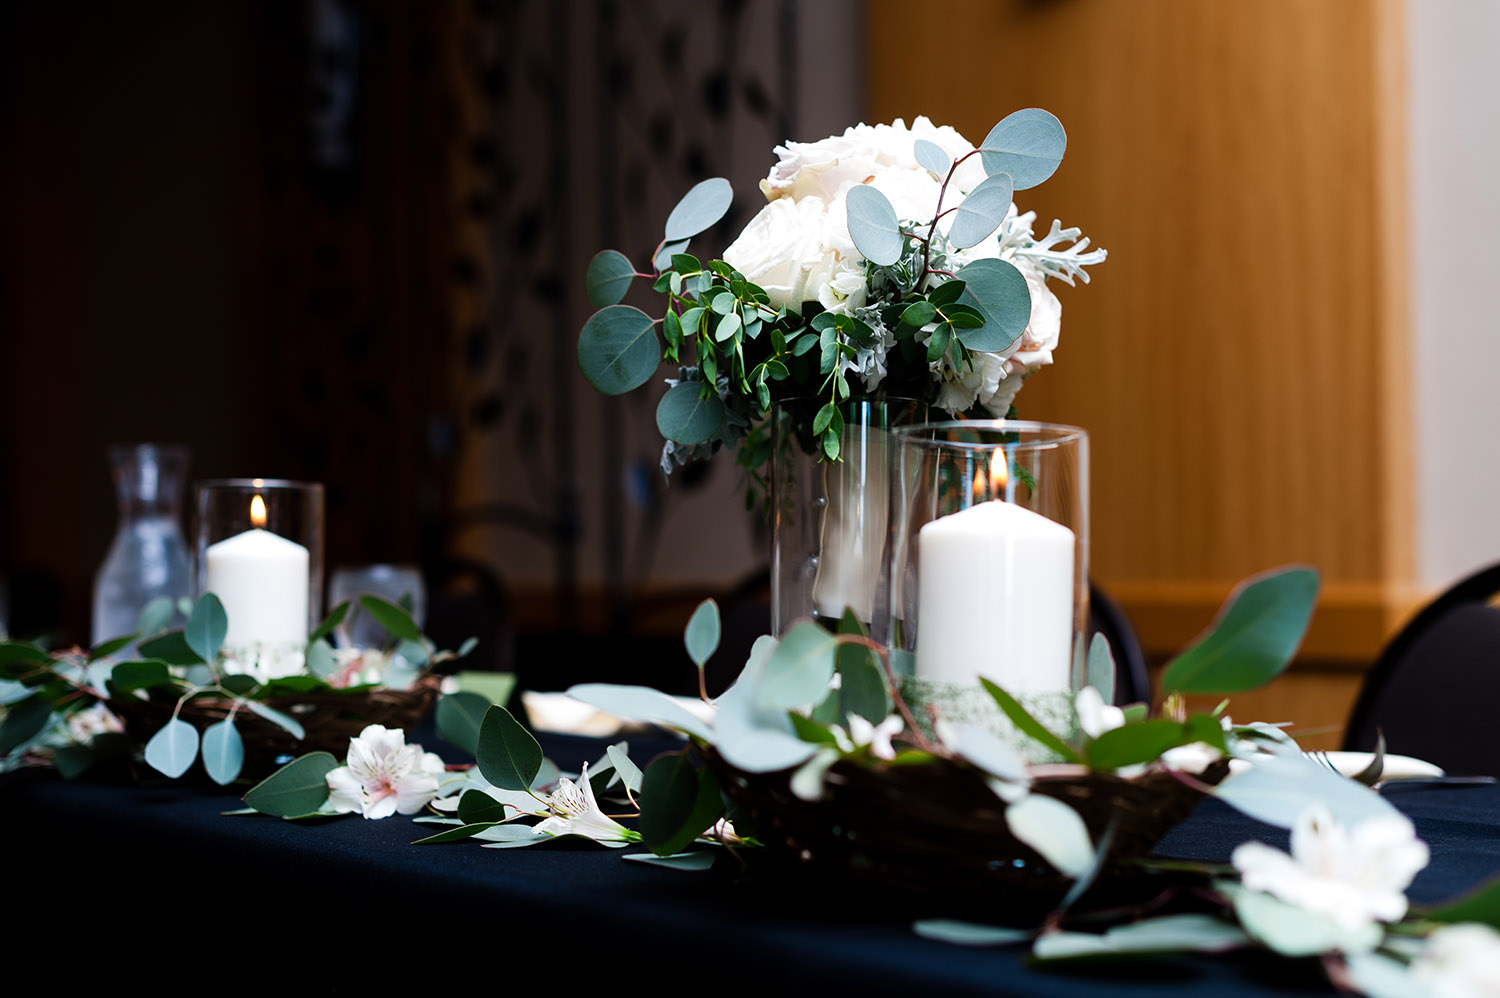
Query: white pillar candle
(995, 599)
(262, 580)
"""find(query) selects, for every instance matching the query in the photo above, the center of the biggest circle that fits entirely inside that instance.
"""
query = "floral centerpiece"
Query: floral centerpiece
(888, 260)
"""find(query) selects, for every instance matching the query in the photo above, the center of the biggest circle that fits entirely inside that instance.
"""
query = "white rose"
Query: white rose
(1034, 347)
(779, 249)
(962, 388)
(829, 167)
(838, 283)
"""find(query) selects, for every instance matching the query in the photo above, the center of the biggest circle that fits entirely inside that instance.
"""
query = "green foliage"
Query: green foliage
(171, 647)
(1137, 743)
(330, 622)
(509, 757)
(172, 749)
(1253, 639)
(288, 724)
(223, 752)
(699, 209)
(1027, 144)
(477, 806)
(392, 617)
(998, 291)
(873, 225)
(108, 648)
(126, 677)
(1101, 668)
(687, 416)
(618, 349)
(156, 616)
(981, 213)
(862, 688)
(459, 719)
(23, 722)
(608, 279)
(207, 627)
(701, 636)
(1029, 725)
(799, 670)
(932, 157)
(1482, 904)
(300, 787)
(678, 803)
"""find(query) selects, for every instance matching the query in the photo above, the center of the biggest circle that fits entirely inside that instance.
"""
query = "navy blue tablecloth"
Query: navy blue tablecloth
(359, 905)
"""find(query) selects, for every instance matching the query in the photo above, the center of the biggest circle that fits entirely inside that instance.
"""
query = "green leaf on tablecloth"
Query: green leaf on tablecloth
(799, 670)
(630, 773)
(861, 684)
(288, 724)
(678, 803)
(107, 648)
(1054, 830)
(1168, 934)
(1135, 743)
(1479, 905)
(172, 749)
(390, 616)
(641, 703)
(459, 834)
(477, 806)
(1027, 144)
(696, 861)
(981, 212)
(702, 634)
(932, 157)
(171, 647)
(127, 677)
(1101, 667)
(1294, 931)
(223, 752)
(1277, 789)
(699, 209)
(508, 755)
(156, 616)
(997, 289)
(873, 225)
(207, 627)
(684, 415)
(330, 622)
(1255, 635)
(608, 279)
(518, 837)
(23, 721)
(298, 788)
(239, 812)
(459, 718)
(948, 930)
(1029, 725)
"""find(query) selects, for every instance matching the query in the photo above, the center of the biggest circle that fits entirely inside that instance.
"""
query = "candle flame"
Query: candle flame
(999, 473)
(258, 511)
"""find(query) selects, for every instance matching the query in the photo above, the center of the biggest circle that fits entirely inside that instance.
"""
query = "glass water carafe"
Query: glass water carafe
(149, 555)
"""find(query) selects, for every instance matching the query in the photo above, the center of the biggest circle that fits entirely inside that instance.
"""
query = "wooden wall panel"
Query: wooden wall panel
(1240, 359)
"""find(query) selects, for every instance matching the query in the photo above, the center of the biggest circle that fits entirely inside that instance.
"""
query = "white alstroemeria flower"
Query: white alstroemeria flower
(1095, 716)
(575, 812)
(1352, 877)
(875, 737)
(383, 775)
(1459, 961)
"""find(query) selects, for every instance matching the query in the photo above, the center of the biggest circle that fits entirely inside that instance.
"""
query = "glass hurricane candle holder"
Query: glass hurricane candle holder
(259, 545)
(986, 570)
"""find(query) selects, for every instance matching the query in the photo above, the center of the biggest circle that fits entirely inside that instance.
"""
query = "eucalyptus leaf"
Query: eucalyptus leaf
(1101, 668)
(321, 661)
(223, 752)
(663, 258)
(288, 724)
(678, 803)
(630, 773)
(873, 225)
(18, 658)
(696, 861)
(699, 209)
(1135, 743)
(107, 648)
(13, 692)
(514, 837)
(618, 350)
(799, 670)
(239, 684)
(1482, 904)
(126, 677)
(207, 627)
(861, 683)
(608, 279)
(458, 834)
(1168, 934)
(330, 622)
(508, 755)
(981, 213)
(23, 721)
(172, 749)
(72, 761)
(496, 687)
(390, 616)
(948, 930)
(932, 157)
(459, 718)
(1294, 931)
(156, 616)
(1027, 144)
(300, 787)
(685, 416)
(171, 647)
(1054, 830)
(998, 290)
(641, 703)
(477, 806)
(1277, 789)
(702, 634)
(1255, 635)
(470, 643)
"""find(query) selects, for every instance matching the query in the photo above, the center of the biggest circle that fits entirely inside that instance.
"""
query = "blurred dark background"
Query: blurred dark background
(343, 241)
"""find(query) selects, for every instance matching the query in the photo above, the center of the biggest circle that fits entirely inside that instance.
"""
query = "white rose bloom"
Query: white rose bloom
(779, 249)
(838, 283)
(1034, 347)
(1459, 961)
(1352, 877)
(980, 383)
(829, 167)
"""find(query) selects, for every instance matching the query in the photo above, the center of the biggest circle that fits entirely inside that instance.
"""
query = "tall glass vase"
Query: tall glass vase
(830, 519)
(148, 557)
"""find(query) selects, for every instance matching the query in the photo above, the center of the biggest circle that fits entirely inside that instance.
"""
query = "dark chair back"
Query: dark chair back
(1132, 681)
(1435, 690)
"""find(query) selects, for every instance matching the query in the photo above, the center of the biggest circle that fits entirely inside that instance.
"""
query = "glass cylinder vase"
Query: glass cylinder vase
(259, 545)
(986, 571)
(148, 557)
(829, 517)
